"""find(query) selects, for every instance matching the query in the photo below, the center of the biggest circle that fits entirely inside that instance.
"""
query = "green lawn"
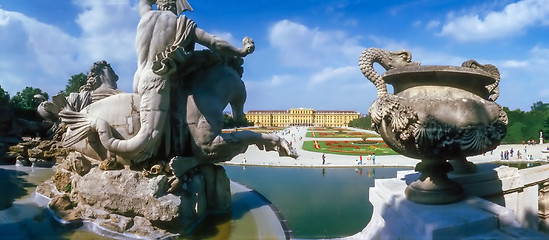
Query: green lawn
(349, 147)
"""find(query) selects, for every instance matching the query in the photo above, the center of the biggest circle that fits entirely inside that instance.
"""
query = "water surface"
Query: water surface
(316, 202)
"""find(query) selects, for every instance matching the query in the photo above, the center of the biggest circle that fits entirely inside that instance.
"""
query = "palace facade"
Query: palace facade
(301, 117)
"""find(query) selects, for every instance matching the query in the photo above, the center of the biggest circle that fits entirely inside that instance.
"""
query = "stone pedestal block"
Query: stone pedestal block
(395, 217)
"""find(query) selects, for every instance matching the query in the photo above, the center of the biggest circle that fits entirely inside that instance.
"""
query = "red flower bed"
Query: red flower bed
(355, 147)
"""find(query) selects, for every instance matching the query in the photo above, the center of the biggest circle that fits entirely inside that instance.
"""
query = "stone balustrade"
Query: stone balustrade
(502, 203)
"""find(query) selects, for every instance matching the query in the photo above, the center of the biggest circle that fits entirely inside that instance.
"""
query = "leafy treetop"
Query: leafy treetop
(4, 97)
(25, 99)
(74, 84)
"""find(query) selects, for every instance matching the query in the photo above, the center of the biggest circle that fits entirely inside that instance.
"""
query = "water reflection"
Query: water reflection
(317, 202)
(14, 181)
(24, 218)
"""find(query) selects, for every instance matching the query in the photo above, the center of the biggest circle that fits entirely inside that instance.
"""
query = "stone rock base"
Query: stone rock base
(127, 201)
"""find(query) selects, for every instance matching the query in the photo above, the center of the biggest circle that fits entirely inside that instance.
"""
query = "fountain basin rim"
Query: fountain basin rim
(439, 71)
(437, 68)
(468, 79)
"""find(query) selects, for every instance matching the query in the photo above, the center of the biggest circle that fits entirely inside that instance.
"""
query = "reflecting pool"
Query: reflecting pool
(316, 202)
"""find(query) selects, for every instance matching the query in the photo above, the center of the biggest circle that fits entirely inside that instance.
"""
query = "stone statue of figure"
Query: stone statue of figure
(160, 35)
(101, 83)
(165, 56)
(175, 114)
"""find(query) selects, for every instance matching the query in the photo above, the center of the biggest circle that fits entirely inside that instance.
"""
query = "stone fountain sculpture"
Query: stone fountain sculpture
(437, 113)
(148, 157)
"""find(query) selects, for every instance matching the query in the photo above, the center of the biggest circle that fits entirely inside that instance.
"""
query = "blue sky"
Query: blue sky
(306, 51)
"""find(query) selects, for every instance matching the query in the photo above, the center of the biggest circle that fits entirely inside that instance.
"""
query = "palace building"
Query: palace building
(301, 117)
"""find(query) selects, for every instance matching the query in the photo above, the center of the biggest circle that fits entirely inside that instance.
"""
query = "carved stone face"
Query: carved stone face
(94, 80)
(102, 76)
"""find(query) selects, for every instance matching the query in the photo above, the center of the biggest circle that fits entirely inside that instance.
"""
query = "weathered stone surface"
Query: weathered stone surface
(127, 201)
(61, 202)
(436, 113)
(217, 187)
(39, 162)
(143, 227)
(47, 189)
(129, 193)
(62, 180)
(53, 153)
(116, 223)
(222, 197)
(195, 199)
(82, 211)
(17, 149)
(35, 153)
(78, 163)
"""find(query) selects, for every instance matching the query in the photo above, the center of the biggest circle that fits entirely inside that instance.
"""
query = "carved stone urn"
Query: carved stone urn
(437, 113)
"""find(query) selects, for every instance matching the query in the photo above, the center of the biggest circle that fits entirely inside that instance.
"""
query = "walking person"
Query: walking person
(323, 159)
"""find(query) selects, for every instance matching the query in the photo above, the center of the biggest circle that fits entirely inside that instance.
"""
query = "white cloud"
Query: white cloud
(514, 19)
(108, 30)
(41, 55)
(335, 75)
(300, 46)
(514, 64)
(524, 81)
(278, 92)
(274, 81)
(33, 53)
(432, 24)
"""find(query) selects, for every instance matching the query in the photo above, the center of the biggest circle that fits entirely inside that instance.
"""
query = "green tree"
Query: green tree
(361, 122)
(4, 97)
(539, 106)
(25, 99)
(546, 128)
(525, 126)
(229, 122)
(74, 84)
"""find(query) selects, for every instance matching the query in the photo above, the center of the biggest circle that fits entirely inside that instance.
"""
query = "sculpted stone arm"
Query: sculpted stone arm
(145, 6)
(223, 47)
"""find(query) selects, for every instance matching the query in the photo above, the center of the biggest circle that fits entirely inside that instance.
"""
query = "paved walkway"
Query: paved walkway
(255, 157)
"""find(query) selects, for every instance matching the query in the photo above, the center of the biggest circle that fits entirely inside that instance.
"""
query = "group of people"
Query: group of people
(508, 154)
(368, 158)
(359, 161)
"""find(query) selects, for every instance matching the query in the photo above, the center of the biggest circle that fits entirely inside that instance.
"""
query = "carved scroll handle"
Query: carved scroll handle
(493, 88)
(388, 60)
